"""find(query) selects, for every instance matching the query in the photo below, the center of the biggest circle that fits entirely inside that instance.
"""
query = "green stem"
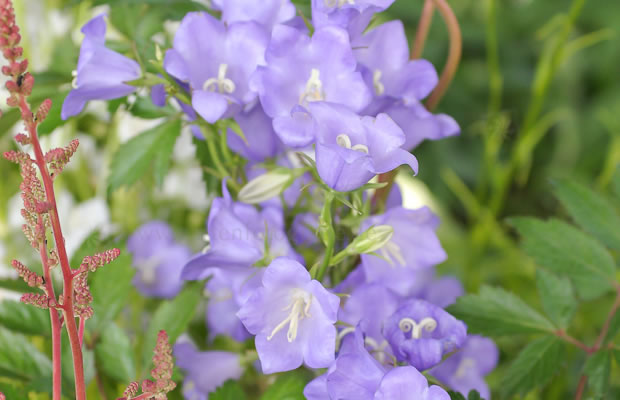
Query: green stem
(327, 235)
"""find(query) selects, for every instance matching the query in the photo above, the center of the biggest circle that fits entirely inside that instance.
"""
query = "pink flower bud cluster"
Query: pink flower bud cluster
(30, 277)
(38, 300)
(131, 390)
(92, 263)
(58, 158)
(2, 397)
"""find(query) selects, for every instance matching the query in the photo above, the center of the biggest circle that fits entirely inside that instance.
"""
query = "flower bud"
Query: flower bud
(266, 186)
(371, 240)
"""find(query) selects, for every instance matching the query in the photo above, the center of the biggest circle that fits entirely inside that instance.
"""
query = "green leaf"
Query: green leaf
(144, 108)
(114, 354)
(133, 158)
(496, 312)
(24, 318)
(597, 369)
(19, 359)
(557, 297)
(617, 356)
(110, 286)
(534, 366)
(16, 285)
(614, 327)
(567, 251)
(53, 119)
(616, 182)
(591, 211)
(173, 316)
(230, 390)
(286, 387)
(473, 395)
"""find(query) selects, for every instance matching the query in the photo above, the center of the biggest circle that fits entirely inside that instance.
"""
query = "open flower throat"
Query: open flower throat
(299, 307)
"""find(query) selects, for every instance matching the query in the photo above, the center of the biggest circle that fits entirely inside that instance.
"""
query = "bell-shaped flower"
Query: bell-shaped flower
(205, 371)
(266, 12)
(227, 290)
(353, 15)
(383, 56)
(406, 383)
(157, 259)
(239, 236)
(293, 318)
(218, 68)
(259, 141)
(419, 124)
(413, 246)
(351, 150)
(368, 307)
(421, 333)
(101, 73)
(465, 370)
(301, 69)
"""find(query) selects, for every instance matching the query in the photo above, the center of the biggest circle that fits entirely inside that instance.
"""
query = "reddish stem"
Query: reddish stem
(423, 26)
(614, 309)
(454, 56)
(81, 331)
(67, 297)
(56, 325)
(567, 338)
(581, 387)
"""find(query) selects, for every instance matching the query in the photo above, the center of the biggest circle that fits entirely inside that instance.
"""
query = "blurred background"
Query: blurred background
(537, 96)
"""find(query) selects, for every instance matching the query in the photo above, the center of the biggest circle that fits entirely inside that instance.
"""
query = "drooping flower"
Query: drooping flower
(239, 237)
(421, 333)
(292, 317)
(217, 69)
(101, 73)
(465, 370)
(351, 150)
(157, 259)
(414, 246)
(205, 371)
(405, 383)
(383, 56)
(261, 142)
(300, 70)
(267, 12)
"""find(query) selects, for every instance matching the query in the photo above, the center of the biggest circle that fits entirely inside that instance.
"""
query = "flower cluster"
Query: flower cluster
(303, 258)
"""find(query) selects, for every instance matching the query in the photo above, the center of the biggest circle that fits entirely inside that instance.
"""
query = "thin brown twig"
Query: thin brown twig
(424, 25)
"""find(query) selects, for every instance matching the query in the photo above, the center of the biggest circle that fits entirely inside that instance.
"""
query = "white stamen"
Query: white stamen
(147, 270)
(407, 324)
(314, 88)
(300, 309)
(465, 364)
(378, 349)
(74, 84)
(376, 82)
(343, 140)
(221, 83)
(207, 240)
(391, 252)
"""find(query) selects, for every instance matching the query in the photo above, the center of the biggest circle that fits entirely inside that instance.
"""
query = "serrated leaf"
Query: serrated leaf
(496, 312)
(114, 354)
(230, 390)
(133, 158)
(24, 318)
(286, 387)
(591, 211)
(565, 250)
(19, 359)
(597, 369)
(110, 286)
(173, 316)
(473, 395)
(557, 297)
(534, 366)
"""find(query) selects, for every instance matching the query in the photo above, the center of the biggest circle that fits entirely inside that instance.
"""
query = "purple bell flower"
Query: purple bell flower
(405, 383)
(158, 260)
(236, 232)
(414, 246)
(292, 317)
(266, 12)
(261, 141)
(205, 371)
(350, 149)
(422, 333)
(383, 55)
(300, 70)
(101, 72)
(217, 69)
(465, 370)
(420, 124)
(227, 290)
(353, 15)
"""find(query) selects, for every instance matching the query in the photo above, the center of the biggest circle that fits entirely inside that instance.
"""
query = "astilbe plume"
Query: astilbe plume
(161, 374)
(30, 277)
(2, 397)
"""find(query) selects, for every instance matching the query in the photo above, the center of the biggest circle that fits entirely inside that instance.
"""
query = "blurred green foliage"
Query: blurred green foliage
(537, 96)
